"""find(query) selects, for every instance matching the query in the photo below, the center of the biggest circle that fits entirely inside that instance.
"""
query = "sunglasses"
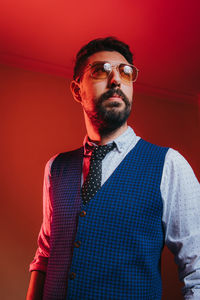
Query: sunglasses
(102, 70)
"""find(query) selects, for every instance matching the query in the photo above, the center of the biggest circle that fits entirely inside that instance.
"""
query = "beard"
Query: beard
(107, 117)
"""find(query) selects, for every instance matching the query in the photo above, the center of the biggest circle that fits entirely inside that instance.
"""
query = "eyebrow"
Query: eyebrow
(99, 61)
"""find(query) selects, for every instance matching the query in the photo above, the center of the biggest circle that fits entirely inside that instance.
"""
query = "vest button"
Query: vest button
(77, 244)
(72, 275)
(82, 213)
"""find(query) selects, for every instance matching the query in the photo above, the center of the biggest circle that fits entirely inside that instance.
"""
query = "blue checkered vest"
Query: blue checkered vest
(109, 249)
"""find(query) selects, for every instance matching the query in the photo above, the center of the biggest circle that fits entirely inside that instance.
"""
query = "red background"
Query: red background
(39, 118)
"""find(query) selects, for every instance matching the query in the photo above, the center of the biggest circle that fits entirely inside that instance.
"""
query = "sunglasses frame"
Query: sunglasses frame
(90, 66)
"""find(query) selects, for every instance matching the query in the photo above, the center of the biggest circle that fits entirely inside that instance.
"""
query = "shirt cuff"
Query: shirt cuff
(40, 265)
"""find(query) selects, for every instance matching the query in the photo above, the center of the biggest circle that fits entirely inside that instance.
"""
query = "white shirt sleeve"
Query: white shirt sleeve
(180, 192)
(42, 254)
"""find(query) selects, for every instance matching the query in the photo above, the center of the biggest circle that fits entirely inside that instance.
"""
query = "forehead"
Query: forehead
(109, 56)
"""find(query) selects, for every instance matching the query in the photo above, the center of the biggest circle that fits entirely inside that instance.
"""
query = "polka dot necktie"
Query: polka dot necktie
(93, 180)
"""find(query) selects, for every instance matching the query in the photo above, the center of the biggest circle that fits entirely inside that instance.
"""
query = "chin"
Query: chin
(112, 119)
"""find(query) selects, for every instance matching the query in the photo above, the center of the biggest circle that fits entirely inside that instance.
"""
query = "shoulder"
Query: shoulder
(151, 145)
(150, 150)
(177, 171)
(63, 158)
(175, 162)
(47, 170)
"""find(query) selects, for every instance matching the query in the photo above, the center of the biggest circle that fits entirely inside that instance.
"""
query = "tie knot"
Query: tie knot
(100, 152)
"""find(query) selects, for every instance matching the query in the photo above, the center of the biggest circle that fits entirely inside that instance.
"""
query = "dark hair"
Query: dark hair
(97, 45)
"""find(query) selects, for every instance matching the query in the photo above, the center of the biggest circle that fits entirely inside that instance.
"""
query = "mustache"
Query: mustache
(111, 93)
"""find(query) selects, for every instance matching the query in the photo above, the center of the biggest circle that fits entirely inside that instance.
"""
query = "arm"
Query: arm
(36, 285)
(38, 266)
(181, 219)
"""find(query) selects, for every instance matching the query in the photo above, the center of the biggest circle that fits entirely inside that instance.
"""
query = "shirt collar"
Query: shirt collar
(122, 142)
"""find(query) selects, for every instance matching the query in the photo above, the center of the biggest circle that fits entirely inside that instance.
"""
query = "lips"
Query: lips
(115, 96)
(114, 101)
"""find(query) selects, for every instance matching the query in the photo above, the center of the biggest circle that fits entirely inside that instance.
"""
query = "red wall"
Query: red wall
(40, 118)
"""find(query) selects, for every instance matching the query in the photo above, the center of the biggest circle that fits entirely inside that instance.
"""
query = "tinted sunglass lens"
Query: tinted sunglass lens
(101, 71)
(126, 72)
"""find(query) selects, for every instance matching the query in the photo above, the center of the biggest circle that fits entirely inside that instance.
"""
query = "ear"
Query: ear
(75, 89)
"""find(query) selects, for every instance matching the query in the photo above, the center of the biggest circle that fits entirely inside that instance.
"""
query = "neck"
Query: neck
(97, 138)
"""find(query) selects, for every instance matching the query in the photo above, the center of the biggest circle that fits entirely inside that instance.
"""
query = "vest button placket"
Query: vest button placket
(77, 244)
(72, 275)
(83, 213)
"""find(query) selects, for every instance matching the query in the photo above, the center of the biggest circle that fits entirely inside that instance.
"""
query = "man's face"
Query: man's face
(107, 102)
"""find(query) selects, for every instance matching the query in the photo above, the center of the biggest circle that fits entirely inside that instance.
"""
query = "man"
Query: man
(110, 205)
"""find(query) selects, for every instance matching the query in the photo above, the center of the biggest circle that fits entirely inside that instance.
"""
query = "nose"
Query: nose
(114, 79)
